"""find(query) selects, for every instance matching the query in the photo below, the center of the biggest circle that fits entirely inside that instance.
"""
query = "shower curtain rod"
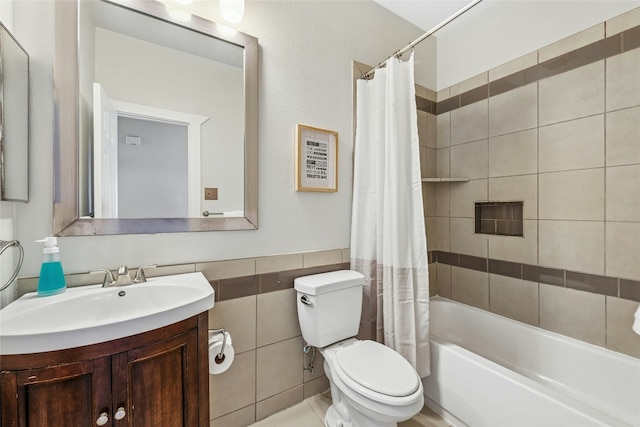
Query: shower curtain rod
(422, 37)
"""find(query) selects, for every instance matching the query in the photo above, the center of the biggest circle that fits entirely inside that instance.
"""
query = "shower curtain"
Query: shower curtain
(388, 240)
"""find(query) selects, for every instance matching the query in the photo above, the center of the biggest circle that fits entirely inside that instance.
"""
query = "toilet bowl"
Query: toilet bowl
(376, 385)
(371, 384)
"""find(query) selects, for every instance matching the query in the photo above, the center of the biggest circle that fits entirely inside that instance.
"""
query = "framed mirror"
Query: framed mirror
(14, 119)
(156, 121)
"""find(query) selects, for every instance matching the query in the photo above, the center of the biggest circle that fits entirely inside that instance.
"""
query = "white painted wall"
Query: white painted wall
(306, 53)
(497, 31)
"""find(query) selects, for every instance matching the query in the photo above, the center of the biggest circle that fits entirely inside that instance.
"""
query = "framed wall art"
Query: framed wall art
(316, 165)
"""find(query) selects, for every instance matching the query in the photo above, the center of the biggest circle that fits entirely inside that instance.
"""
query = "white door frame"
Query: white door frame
(193, 123)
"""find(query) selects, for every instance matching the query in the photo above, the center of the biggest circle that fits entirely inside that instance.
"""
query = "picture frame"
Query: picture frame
(316, 165)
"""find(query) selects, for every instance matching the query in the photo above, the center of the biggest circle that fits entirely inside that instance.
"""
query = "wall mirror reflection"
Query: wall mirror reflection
(14, 119)
(166, 122)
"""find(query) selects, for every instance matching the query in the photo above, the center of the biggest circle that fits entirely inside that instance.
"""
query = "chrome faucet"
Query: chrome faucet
(122, 277)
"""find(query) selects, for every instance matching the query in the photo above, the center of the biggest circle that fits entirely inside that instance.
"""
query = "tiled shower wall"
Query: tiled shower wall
(558, 129)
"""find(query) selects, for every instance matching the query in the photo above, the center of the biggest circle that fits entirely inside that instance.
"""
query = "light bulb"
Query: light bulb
(232, 10)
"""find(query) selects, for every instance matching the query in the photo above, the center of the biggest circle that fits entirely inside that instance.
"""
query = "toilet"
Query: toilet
(371, 384)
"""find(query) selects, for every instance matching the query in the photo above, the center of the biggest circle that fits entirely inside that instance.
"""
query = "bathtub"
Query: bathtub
(488, 370)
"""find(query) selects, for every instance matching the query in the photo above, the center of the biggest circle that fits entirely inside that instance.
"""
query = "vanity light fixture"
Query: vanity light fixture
(232, 10)
(177, 9)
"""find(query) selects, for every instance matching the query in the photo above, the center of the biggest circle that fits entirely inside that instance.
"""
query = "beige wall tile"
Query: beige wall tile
(573, 42)
(443, 130)
(623, 22)
(576, 144)
(443, 94)
(443, 196)
(442, 233)
(433, 281)
(238, 317)
(422, 128)
(514, 298)
(279, 367)
(464, 240)
(571, 95)
(319, 385)
(469, 123)
(623, 84)
(514, 66)
(277, 317)
(432, 130)
(470, 287)
(430, 225)
(514, 110)
(227, 269)
(346, 255)
(428, 162)
(572, 195)
(623, 193)
(166, 270)
(623, 250)
(429, 199)
(470, 160)
(279, 402)
(270, 264)
(443, 162)
(514, 154)
(463, 196)
(516, 188)
(470, 83)
(577, 314)
(623, 134)
(620, 336)
(315, 259)
(514, 248)
(240, 418)
(572, 245)
(443, 278)
(235, 388)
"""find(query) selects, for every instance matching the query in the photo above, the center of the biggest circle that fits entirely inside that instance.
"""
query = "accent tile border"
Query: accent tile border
(603, 285)
(238, 287)
(599, 50)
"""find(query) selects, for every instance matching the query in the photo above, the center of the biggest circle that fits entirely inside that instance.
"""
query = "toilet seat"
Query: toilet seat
(377, 372)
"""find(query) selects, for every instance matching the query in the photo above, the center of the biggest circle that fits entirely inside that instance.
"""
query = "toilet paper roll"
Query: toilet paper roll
(217, 336)
(219, 364)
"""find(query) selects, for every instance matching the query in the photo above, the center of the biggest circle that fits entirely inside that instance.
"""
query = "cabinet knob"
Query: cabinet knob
(102, 419)
(120, 414)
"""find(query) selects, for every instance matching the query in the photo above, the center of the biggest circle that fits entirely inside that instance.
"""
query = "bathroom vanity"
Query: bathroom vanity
(115, 356)
(156, 378)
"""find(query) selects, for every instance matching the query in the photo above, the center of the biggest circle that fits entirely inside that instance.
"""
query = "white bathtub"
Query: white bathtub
(487, 370)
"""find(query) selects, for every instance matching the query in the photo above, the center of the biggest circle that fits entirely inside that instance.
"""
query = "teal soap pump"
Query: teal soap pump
(51, 279)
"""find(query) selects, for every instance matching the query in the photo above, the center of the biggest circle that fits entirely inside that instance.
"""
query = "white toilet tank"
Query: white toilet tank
(329, 306)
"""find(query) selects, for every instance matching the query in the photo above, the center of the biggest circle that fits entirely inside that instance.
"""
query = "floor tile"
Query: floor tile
(300, 415)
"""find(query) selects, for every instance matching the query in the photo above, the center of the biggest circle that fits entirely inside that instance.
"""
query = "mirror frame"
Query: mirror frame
(66, 220)
(5, 181)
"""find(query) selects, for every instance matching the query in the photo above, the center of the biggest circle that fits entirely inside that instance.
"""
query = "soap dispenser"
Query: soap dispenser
(51, 279)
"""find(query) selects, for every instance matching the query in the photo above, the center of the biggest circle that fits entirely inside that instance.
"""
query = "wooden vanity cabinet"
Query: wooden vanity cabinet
(158, 378)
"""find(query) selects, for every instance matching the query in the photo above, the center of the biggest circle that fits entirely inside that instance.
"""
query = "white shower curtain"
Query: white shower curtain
(388, 240)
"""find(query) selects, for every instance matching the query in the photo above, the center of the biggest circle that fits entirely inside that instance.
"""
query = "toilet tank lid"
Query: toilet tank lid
(317, 284)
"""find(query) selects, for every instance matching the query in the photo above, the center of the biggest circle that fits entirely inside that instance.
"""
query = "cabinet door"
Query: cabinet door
(67, 395)
(154, 384)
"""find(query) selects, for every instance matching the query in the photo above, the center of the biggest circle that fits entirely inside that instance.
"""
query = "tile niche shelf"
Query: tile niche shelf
(445, 179)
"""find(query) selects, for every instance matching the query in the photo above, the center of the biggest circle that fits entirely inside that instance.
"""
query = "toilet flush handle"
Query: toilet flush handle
(306, 301)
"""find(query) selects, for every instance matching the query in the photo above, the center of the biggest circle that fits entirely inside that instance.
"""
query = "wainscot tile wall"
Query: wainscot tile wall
(256, 303)
(559, 129)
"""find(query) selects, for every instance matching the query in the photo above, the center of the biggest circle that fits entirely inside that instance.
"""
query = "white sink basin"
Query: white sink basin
(93, 314)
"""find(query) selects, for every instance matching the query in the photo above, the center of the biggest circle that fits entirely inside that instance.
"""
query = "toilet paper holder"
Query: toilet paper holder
(212, 332)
